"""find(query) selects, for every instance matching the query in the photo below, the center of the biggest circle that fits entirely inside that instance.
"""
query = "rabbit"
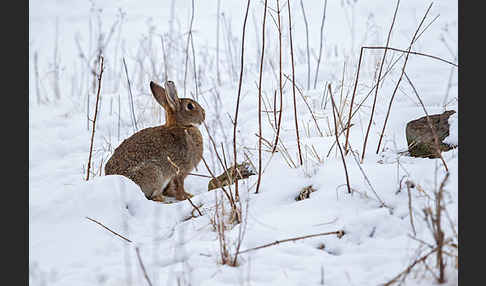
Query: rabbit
(158, 159)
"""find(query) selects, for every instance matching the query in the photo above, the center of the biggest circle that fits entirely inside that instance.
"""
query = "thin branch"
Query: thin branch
(352, 102)
(337, 139)
(339, 234)
(280, 80)
(309, 108)
(142, 266)
(94, 120)
(242, 65)
(260, 102)
(352, 114)
(293, 84)
(102, 225)
(378, 81)
(412, 53)
(410, 213)
(199, 175)
(409, 268)
(134, 119)
(400, 79)
(187, 46)
(307, 41)
(320, 44)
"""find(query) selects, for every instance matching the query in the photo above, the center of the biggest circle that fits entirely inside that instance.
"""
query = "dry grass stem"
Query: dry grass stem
(320, 44)
(412, 53)
(142, 267)
(260, 102)
(337, 139)
(338, 233)
(280, 81)
(115, 233)
(400, 79)
(94, 119)
(378, 81)
(242, 65)
(293, 84)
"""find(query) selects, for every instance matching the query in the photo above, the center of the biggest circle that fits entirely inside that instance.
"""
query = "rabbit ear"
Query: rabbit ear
(159, 94)
(171, 94)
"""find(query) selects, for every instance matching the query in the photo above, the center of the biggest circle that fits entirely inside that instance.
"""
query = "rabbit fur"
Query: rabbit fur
(158, 159)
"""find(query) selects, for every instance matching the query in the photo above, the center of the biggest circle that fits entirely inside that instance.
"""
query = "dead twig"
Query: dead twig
(378, 81)
(320, 44)
(307, 42)
(115, 233)
(412, 53)
(260, 102)
(142, 266)
(134, 119)
(410, 213)
(280, 81)
(242, 65)
(293, 83)
(400, 79)
(337, 139)
(94, 119)
(339, 234)
(410, 267)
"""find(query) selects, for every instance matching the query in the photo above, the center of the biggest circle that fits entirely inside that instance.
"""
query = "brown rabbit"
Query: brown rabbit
(158, 159)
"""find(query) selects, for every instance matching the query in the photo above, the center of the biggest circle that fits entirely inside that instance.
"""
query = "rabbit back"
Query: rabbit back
(183, 145)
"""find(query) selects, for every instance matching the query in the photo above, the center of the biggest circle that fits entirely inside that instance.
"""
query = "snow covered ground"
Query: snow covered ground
(66, 248)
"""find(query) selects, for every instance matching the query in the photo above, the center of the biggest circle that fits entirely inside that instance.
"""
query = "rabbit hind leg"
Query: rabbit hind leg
(180, 194)
(151, 180)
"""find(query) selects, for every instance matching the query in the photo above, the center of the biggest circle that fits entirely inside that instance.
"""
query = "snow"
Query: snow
(453, 138)
(177, 246)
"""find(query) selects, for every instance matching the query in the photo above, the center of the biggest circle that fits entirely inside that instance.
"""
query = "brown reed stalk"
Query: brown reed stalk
(293, 84)
(105, 227)
(400, 79)
(320, 44)
(137, 250)
(189, 34)
(218, 77)
(337, 138)
(309, 108)
(260, 102)
(378, 82)
(412, 53)
(386, 73)
(307, 43)
(352, 101)
(242, 65)
(94, 119)
(339, 234)
(279, 78)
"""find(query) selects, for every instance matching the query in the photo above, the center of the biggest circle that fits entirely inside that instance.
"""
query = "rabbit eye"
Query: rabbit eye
(190, 106)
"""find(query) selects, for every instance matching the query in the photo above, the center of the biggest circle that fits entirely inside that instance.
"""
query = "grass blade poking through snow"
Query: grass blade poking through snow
(94, 119)
(378, 81)
(337, 138)
(320, 45)
(242, 65)
(260, 102)
(293, 83)
(339, 234)
(280, 80)
(400, 79)
(307, 42)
